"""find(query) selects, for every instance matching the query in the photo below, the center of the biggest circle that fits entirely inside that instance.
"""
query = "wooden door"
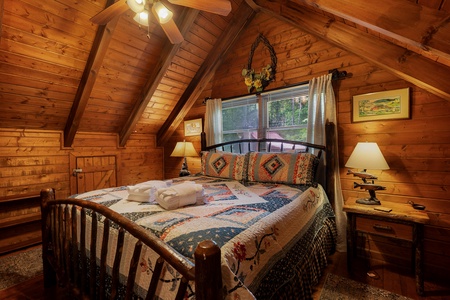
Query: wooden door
(94, 172)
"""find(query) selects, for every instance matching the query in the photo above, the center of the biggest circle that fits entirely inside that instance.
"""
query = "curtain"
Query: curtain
(322, 107)
(213, 121)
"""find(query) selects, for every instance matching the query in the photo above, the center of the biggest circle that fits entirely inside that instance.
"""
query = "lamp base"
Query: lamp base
(184, 169)
(373, 200)
(184, 173)
(368, 201)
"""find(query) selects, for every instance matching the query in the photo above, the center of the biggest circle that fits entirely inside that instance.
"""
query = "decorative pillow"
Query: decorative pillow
(291, 168)
(223, 164)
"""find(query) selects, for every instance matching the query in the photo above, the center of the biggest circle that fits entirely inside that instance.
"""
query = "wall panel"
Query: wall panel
(31, 160)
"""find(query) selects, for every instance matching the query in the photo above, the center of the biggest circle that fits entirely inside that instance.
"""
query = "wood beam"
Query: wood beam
(418, 28)
(405, 64)
(98, 51)
(169, 51)
(244, 15)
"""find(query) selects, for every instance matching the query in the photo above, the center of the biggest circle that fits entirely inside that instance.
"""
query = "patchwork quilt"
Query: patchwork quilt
(258, 226)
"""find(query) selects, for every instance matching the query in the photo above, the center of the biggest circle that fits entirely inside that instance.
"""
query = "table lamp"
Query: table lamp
(184, 149)
(367, 156)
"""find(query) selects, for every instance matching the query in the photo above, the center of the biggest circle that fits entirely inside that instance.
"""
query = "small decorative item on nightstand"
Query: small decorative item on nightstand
(367, 156)
(184, 149)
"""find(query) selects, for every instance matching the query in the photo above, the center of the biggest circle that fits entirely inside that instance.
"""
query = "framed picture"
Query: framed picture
(384, 105)
(193, 127)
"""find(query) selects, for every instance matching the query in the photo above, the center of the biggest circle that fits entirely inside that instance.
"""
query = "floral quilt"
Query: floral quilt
(256, 225)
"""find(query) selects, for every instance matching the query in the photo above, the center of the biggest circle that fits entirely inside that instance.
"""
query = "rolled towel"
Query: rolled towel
(146, 191)
(178, 195)
(200, 197)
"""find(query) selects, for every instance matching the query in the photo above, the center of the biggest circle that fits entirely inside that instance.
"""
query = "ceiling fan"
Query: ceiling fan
(161, 12)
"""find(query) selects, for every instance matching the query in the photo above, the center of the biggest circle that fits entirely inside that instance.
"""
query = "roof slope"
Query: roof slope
(60, 71)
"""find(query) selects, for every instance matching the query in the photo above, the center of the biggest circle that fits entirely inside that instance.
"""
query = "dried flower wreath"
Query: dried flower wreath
(259, 80)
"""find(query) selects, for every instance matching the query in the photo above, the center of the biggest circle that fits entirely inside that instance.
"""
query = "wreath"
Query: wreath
(259, 81)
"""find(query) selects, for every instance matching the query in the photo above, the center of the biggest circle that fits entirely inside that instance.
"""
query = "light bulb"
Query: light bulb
(136, 5)
(142, 18)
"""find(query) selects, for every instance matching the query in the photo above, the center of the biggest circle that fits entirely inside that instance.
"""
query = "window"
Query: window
(279, 114)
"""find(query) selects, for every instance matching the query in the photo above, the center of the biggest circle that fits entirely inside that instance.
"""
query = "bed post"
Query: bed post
(203, 141)
(208, 273)
(330, 160)
(49, 273)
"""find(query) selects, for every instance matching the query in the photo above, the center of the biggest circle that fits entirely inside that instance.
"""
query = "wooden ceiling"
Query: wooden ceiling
(59, 71)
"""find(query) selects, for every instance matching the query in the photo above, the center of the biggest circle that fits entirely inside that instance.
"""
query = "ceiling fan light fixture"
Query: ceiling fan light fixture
(136, 5)
(164, 14)
(142, 18)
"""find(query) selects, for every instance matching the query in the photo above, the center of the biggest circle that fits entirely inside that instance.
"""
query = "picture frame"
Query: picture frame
(385, 105)
(193, 127)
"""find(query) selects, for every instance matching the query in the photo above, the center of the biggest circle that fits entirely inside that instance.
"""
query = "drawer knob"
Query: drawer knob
(382, 227)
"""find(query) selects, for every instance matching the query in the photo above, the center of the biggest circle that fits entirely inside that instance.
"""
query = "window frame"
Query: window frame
(262, 100)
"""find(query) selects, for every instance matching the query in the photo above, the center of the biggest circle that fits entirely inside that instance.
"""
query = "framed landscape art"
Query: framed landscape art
(193, 127)
(386, 105)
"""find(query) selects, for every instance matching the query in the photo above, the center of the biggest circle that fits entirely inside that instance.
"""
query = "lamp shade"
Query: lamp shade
(184, 149)
(164, 14)
(142, 17)
(136, 5)
(367, 156)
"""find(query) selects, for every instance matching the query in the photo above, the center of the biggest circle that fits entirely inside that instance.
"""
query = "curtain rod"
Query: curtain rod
(337, 75)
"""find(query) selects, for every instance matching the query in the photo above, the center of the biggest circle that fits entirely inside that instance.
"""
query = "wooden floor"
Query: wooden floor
(397, 281)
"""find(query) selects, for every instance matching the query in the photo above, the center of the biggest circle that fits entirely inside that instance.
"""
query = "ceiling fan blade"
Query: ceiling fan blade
(172, 32)
(110, 12)
(220, 7)
(170, 28)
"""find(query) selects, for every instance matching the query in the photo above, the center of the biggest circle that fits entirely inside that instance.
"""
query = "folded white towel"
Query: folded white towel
(146, 191)
(179, 195)
(145, 186)
(200, 197)
(138, 198)
(200, 194)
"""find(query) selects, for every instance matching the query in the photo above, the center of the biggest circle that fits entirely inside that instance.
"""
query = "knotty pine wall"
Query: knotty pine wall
(31, 160)
(417, 150)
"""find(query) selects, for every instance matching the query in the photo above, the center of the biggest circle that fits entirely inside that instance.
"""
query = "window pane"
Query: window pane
(296, 134)
(240, 135)
(240, 117)
(288, 112)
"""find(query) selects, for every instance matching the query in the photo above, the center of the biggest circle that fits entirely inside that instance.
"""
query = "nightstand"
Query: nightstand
(403, 223)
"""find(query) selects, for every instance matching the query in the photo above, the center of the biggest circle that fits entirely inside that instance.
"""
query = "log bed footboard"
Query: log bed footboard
(67, 254)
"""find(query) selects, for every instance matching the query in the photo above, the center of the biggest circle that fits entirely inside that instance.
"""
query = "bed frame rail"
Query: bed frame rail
(261, 145)
(66, 260)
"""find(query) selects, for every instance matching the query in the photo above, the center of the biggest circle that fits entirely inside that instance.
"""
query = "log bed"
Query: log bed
(72, 245)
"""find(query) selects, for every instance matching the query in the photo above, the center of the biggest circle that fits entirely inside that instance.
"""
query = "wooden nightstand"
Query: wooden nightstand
(403, 223)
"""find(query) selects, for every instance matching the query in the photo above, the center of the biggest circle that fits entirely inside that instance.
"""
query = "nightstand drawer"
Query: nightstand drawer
(385, 228)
